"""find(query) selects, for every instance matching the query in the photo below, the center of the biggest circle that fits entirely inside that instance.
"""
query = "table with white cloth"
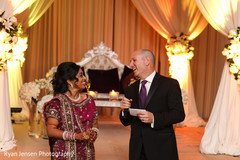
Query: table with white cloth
(106, 106)
(6, 132)
(102, 100)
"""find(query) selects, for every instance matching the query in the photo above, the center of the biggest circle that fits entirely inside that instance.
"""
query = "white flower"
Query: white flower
(233, 69)
(179, 45)
(28, 91)
(15, 39)
(8, 25)
(232, 33)
(13, 19)
(184, 96)
(7, 40)
(232, 52)
(42, 83)
(51, 72)
(237, 61)
(44, 99)
(49, 85)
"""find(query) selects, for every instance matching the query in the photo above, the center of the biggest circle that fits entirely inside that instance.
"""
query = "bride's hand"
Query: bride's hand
(82, 136)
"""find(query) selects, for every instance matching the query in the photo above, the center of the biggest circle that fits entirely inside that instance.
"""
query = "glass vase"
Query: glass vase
(34, 120)
(43, 127)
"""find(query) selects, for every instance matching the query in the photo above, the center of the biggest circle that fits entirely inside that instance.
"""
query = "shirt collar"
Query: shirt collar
(150, 77)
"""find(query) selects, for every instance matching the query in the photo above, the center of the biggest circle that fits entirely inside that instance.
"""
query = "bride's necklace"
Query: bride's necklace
(74, 100)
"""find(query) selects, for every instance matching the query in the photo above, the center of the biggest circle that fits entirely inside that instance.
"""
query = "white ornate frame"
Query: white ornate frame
(100, 51)
(103, 52)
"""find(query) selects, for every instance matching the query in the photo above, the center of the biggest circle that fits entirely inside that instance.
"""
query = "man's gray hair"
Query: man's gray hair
(148, 53)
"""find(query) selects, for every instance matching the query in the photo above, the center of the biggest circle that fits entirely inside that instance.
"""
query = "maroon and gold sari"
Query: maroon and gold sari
(74, 117)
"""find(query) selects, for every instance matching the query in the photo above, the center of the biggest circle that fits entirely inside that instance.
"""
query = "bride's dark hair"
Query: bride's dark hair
(65, 71)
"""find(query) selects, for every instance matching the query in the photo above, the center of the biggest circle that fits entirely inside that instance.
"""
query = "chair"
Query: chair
(101, 57)
(105, 71)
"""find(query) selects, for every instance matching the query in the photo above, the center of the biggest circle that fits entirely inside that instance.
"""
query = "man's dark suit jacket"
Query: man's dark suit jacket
(164, 100)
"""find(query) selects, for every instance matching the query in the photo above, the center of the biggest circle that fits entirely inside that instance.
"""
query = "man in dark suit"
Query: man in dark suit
(152, 133)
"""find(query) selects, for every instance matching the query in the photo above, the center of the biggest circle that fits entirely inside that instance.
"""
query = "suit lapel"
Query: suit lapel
(136, 92)
(152, 89)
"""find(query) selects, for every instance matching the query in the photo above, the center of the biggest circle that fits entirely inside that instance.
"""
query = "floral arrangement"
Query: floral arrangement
(45, 84)
(31, 90)
(28, 91)
(232, 52)
(8, 31)
(12, 46)
(179, 45)
(51, 72)
(44, 99)
(179, 51)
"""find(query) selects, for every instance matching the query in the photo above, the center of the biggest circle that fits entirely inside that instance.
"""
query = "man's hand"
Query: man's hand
(145, 116)
(125, 103)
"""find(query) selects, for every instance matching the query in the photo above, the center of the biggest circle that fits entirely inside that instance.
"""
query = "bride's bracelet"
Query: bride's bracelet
(69, 135)
(96, 130)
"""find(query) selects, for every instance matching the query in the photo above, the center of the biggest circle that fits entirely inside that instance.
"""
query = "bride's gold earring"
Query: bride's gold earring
(71, 85)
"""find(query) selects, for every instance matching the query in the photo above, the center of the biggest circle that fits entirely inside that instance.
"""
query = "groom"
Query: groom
(152, 133)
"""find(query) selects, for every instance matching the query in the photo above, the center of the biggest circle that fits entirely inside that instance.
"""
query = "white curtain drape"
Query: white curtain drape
(222, 132)
(20, 5)
(169, 18)
(13, 7)
(15, 82)
(6, 132)
(11, 81)
(6, 7)
(34, 10)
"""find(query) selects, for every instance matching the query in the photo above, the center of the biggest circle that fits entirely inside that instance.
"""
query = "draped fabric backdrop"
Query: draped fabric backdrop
(38, 7)
(30, 15)
(222, 132)
(70, 28)
(132, 32)
(169, 18)
(11, 87)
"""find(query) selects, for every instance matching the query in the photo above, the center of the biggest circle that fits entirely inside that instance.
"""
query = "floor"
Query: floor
(112, 143)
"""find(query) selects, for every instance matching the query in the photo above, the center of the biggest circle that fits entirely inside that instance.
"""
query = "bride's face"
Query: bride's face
(80, 84)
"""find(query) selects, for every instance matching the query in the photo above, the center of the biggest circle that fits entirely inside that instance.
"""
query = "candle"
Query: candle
(93, 94)
(113, 95)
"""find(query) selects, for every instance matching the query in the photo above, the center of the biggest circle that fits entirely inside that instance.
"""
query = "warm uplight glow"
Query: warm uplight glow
(12, 45)
(232, 52)
(20, 5)
(179, 53)
(178, 67)
(18, 50)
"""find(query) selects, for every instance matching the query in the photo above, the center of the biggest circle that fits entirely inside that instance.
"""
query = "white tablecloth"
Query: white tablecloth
(107, 103)
(6, 132)
(102, 100)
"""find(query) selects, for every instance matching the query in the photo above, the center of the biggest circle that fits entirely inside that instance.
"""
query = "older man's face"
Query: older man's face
(137, 64)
